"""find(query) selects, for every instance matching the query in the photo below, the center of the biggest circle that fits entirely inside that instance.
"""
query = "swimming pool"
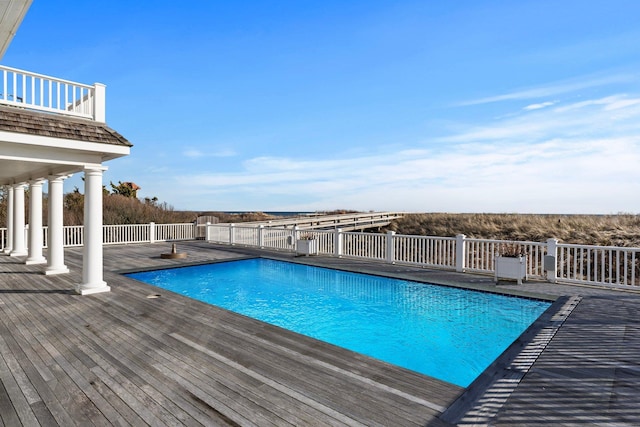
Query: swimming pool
(447, 333)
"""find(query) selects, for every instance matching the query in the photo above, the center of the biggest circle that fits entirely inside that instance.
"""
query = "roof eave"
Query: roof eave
(12, 12)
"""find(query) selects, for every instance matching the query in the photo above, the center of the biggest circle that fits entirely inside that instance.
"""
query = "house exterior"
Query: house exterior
(51, 128)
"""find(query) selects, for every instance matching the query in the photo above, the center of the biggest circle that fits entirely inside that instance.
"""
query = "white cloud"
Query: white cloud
(539, 106)
(553, 89)
(194, 153)
(574, 158)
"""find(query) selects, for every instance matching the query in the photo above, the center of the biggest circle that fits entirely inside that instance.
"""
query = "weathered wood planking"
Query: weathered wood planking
(122, 358)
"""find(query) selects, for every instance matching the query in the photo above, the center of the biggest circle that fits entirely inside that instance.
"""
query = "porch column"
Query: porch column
(92, 267)
(35, 223)
(19, 246)
(9, 246)
(55, 239)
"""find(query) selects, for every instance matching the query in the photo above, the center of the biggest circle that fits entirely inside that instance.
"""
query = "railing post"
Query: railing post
(100, 103)
(550, 260)
(391, 255)
(261, 236)
(232, 233)
(337, 240)
(461, 253)
(152, 232)
(295, 235)
(207, 232)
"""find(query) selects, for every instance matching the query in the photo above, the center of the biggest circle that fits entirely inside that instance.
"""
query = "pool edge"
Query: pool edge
(502, 377)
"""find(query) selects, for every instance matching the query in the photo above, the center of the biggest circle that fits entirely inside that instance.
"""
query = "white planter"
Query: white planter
(514, 268)
(307, 247)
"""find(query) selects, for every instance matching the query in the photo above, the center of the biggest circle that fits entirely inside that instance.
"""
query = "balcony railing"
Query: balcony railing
(39, 92)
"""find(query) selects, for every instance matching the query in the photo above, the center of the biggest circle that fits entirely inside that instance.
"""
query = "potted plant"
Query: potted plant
(511, 262)
(306, 244)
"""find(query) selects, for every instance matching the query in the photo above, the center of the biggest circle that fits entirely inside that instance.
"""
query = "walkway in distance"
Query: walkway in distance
(346, 222)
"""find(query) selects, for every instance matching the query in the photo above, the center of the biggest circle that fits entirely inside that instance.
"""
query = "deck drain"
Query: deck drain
(151, 296)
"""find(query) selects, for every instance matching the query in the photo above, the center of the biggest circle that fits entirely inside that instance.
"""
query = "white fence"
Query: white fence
(39, 92)
(73, 235)
(552, 261)
(610, 266)
(601, 265)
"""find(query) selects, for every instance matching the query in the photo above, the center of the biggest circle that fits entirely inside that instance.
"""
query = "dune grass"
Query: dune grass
(601, 230)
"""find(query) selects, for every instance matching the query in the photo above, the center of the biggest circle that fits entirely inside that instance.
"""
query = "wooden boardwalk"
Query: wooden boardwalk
(143, 356)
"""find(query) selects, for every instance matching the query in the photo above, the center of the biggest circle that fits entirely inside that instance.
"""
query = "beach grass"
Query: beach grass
(602, 230)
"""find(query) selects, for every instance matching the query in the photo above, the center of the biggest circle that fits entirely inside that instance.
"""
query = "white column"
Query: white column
(92, 267)
(35, 223)
(19, 245)
(55, 239)
(9, 246)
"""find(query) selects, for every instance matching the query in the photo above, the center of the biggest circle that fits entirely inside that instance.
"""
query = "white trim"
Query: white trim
(66, 144)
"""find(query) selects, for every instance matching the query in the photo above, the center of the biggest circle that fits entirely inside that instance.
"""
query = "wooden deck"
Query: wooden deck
(143, 356)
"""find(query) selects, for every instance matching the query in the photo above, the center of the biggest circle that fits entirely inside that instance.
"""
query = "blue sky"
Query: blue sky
(428, 106)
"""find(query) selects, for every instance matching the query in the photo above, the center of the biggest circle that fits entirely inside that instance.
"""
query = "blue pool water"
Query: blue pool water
(448, 333)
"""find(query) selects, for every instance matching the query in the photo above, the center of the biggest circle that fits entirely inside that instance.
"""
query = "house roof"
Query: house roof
(11, 14)
(132, 185)
(18, 120)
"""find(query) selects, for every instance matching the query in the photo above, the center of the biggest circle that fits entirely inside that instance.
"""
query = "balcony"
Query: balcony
(49, 129)
(33, 91)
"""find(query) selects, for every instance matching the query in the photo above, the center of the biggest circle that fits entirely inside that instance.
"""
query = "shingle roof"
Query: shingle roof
(18, 120)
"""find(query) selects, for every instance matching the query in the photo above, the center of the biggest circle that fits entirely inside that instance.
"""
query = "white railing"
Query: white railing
(130, 233)
(247, 236)
(601, 265)
(134, 233)
(439, 252)
(609, 266)
(364, 245)
(218, 235)
(39, 92)
(277, 238)
(326, 241)
(480, 255)
(169, 232)
(73, 235)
